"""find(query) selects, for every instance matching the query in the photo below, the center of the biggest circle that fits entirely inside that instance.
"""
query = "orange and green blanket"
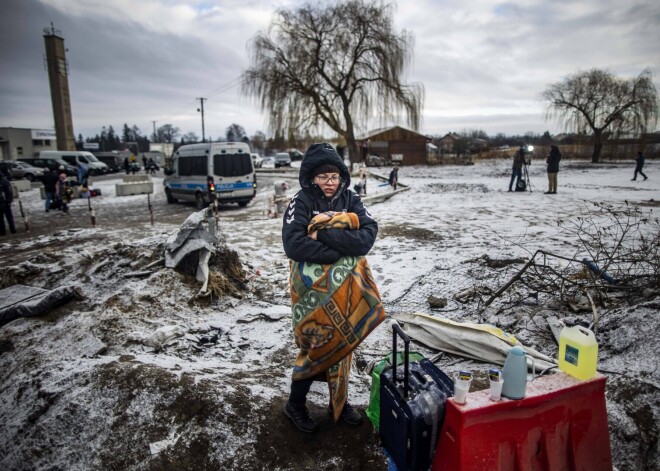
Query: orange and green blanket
(334, 308)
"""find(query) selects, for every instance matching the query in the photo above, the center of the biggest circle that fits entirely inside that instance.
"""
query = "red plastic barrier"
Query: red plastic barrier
(560, 425)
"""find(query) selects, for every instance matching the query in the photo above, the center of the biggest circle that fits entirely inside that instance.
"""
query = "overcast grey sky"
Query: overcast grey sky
(483, 63)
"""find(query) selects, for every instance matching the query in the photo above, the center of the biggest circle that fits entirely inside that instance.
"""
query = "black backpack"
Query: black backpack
(521, 185)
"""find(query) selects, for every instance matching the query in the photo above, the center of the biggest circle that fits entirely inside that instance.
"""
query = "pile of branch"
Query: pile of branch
(618, 256)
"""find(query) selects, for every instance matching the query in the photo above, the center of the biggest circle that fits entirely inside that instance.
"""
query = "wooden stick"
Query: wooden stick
(92, 213)
(151, 209)
(23, 215)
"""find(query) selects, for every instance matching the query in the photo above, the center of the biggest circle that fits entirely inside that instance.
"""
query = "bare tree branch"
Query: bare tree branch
(599, 101)
(335, 64)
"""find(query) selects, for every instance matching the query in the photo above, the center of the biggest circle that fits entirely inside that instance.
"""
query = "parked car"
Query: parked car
(52, 163)
(24, 170)
(75, 158)
(268, 162)
(295, 154)
(282, 159)
(256, 160)
(114, 160)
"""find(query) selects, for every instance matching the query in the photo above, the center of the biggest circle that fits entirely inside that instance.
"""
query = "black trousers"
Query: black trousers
(6, 213)
(639, 170)
(299, 390)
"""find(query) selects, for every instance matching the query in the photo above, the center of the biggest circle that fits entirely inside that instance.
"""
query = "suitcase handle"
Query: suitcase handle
(397, 330)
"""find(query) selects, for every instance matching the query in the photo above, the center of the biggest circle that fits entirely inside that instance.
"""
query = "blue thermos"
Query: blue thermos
(514, 374)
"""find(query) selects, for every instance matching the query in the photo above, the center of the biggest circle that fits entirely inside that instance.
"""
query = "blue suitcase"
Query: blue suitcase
(412, 408)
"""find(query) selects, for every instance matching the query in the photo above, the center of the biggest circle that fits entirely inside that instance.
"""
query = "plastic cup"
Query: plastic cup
(496, 390)
(461, 389)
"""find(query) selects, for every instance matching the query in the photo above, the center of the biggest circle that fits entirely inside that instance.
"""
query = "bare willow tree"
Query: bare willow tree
(337, 64)
(599, 101)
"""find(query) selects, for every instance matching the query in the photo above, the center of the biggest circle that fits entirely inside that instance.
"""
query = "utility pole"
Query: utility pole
(201, 108)
(155, 137)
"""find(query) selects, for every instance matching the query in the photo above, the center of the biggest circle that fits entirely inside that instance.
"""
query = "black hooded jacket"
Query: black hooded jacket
(331, 244)
(553, 159)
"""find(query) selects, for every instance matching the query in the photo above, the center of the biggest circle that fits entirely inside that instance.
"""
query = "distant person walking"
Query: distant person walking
(394, 177)
(127, 166)
(638, 168)
(50, 180)
(553, 168)
(6, 197)
(516, 169)
(145, 163)
(82, 174)
(152, 166)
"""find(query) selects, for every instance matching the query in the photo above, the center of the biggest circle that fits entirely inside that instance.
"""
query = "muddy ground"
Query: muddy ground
(81, 389)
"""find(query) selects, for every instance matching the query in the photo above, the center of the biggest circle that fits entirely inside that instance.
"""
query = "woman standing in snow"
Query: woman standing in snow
(335, 303)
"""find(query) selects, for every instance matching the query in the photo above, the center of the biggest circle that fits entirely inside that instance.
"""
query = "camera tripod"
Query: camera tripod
(525, 175)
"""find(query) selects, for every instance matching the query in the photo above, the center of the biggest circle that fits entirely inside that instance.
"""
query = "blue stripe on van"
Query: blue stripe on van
(219, 187)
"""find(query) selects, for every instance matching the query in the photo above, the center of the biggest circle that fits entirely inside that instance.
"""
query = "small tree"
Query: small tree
(336, 64)
(167, 133)
(235, 133)
(189, 138)
(258, 141)
(599, 101)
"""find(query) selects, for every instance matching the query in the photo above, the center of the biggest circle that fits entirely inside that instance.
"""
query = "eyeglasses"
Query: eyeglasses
(328, 179)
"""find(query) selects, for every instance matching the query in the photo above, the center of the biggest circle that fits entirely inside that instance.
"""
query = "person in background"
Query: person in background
(553, 168)
(335, 304)
(6, 197)
(50, 180)
(134, 164)
(516, 170)
(152, 166)
(145, 163)
(364, 173)
(127, 166)
(82, 174)
(394, 177)
(64, 192)
(638, 168)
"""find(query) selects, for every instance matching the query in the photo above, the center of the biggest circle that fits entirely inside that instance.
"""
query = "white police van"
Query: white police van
(199, 170)
(76, 157)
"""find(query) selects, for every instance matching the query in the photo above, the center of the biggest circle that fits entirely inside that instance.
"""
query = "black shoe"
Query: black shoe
(646, 178)
(349, 415)
(299, 415)
(510, 190)
(633, 179)
(548, 193)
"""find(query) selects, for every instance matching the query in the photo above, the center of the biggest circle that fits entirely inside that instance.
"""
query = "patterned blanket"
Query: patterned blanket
(334, 308)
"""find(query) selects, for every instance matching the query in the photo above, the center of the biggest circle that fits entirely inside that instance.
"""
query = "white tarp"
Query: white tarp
(197, 234)
(476, 341)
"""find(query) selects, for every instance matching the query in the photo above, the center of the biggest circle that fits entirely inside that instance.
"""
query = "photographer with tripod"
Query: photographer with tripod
(516, 170)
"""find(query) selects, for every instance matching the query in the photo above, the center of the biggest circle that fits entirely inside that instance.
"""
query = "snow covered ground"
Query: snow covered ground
(84, 387)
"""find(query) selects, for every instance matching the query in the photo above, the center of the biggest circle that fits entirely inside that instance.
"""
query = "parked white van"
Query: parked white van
(227, 165)
(74, 157)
